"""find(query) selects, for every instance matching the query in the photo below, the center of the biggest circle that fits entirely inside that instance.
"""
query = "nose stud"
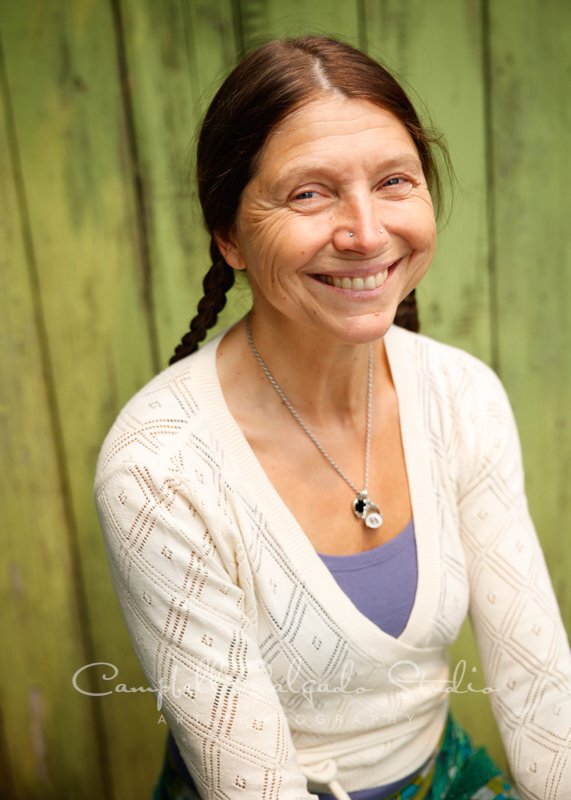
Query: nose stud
(351, 234)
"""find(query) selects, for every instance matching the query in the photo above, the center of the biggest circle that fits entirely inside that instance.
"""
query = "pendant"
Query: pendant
(369, 512)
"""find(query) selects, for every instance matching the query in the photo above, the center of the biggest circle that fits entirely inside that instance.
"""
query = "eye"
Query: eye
(309, 200)
(397, 186)
(308, 194)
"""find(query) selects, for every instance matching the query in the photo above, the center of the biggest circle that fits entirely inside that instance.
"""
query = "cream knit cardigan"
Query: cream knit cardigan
(269, 676)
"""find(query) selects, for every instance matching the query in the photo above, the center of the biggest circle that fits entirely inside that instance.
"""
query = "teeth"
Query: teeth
(356, 284)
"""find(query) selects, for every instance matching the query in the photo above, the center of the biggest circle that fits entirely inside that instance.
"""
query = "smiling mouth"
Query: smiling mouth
(355, 284)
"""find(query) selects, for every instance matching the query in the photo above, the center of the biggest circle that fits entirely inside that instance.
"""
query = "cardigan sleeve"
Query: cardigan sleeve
(177, 578)
(514, 613)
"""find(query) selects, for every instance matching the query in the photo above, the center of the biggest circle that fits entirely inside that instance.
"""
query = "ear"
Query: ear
(230, 250)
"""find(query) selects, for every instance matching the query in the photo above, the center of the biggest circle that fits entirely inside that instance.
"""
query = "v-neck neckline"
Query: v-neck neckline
(318, 581)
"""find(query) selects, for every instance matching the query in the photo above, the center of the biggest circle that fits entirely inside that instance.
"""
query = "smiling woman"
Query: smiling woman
(299, 515)
(328, 178)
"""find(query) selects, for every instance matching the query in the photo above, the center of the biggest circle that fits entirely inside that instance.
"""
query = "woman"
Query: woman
(299, 515)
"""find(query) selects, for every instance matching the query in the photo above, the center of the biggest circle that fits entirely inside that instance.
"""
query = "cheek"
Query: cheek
(283, 245)
(427, 235)
(268, 257)
(421, 228)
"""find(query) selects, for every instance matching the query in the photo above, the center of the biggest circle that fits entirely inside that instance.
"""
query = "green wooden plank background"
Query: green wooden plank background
(102, 252)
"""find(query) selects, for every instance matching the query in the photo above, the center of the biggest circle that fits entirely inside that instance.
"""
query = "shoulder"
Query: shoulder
(159, 421)
(448, 374)
(463, 407)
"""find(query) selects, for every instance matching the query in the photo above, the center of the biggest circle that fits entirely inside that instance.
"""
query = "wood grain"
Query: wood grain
(77, 176)
(530, 120)
(264, 19)
(176, 54)
(41, 624)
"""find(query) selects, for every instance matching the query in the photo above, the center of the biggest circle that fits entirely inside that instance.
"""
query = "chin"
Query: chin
(370, 328)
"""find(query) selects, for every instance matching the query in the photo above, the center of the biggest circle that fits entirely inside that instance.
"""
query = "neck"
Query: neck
(321, 378)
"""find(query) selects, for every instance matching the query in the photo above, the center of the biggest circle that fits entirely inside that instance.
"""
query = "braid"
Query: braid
(407, 313)
(217, 281)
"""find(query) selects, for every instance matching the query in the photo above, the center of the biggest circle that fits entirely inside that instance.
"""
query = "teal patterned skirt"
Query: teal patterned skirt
(459, 771)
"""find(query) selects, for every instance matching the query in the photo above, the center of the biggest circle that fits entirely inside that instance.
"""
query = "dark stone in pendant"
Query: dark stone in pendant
(360, 506)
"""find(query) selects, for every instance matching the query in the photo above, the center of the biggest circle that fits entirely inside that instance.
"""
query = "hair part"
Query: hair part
(268, 85)
(321, 77)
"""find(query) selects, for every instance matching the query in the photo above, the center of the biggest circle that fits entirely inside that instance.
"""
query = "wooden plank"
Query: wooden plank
(264, 19)
(176, 54)
(530, 71)
(78, 179)
(437, 49)
(49, 742)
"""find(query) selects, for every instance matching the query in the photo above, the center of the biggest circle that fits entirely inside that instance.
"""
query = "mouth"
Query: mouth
(366, 283)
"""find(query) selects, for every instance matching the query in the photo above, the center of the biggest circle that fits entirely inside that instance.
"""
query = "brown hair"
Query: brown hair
(268, 85)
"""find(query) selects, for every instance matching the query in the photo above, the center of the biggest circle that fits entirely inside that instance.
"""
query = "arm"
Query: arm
(516, 620)
(176, 572)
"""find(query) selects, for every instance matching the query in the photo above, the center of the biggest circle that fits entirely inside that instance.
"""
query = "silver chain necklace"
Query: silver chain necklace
(363, 508)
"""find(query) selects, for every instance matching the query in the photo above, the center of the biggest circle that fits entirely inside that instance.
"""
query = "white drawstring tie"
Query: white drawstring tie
(324, 772)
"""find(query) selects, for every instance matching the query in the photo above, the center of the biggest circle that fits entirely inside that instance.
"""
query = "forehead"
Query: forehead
(335, 126)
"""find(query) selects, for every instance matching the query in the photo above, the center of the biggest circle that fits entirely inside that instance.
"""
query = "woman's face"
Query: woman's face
(333, 168)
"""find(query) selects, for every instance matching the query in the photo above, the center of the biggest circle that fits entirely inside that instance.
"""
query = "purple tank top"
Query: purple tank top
(382, 584)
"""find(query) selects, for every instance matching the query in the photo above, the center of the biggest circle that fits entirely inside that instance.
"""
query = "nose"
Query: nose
(359, 227)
